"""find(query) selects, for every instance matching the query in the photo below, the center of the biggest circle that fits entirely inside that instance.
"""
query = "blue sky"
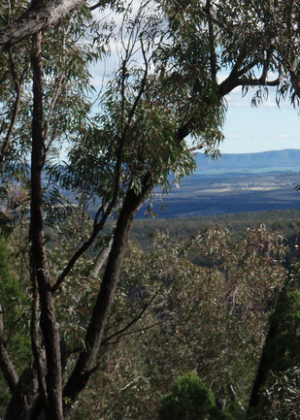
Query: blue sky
(251, 129)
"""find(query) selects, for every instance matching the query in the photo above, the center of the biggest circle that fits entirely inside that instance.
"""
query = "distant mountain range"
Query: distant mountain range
(272, 161)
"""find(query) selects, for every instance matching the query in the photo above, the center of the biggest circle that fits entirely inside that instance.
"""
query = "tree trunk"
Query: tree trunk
(23, 397)
(53, 375)
(262, 371)
(87, 361)
(266, 360)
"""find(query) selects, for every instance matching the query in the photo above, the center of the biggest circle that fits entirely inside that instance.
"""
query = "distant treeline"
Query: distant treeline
(286, 222)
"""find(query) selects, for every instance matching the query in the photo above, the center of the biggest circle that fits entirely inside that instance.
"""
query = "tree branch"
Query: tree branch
(133, 321)
(123, 136)
(211, 37)
(97, 228)
(18, 84)
(40, 15)
(6, 364)
(148, 327)
(258, 82)
(234, 80)
(100, 260)
(48, 120)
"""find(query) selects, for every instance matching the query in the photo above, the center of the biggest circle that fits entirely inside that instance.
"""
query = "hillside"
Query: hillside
(271, 161)
(236, 183)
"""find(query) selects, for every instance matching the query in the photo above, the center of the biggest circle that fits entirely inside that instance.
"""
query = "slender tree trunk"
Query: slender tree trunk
(266, 361)
(87, 361)
(53, 375)
(262, 371)
(23, 397)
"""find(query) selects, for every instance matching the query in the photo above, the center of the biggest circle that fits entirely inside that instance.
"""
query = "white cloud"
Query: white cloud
(281, 136)
(236, 136)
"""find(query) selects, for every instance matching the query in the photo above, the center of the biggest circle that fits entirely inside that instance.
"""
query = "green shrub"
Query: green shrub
(190, 399)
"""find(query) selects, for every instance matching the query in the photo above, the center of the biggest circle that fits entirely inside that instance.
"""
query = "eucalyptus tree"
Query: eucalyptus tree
(281, 22)
(168, 88)
(208, 317)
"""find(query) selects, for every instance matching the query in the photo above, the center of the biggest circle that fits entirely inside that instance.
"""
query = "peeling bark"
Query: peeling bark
(40, 15)
(101, 260)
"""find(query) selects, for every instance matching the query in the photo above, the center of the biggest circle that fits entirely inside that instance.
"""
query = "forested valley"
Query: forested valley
(103, 316)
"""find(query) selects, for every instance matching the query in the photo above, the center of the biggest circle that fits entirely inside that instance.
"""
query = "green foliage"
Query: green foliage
(66, 86)
(280, 399)
(166, 89)
(10, 290)
(215, 324)
(190, 399)
(14, 317)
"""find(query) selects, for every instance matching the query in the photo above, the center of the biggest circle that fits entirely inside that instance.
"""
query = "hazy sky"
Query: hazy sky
(249, 129)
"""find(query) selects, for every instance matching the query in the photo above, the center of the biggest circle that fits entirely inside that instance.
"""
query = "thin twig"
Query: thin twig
(135, 320)
(18, 84)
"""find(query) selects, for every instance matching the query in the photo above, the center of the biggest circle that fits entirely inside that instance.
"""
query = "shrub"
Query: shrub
(190, 399)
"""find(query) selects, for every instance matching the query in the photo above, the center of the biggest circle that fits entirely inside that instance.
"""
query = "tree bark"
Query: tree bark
(262, 371)
(39, 273)
(23, 397)
(40, 15)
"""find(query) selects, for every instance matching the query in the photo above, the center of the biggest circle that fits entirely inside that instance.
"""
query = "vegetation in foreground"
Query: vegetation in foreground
(67, 348)
(203, 304)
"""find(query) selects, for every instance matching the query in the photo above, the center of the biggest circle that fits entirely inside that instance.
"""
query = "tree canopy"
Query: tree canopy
(166, 99)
